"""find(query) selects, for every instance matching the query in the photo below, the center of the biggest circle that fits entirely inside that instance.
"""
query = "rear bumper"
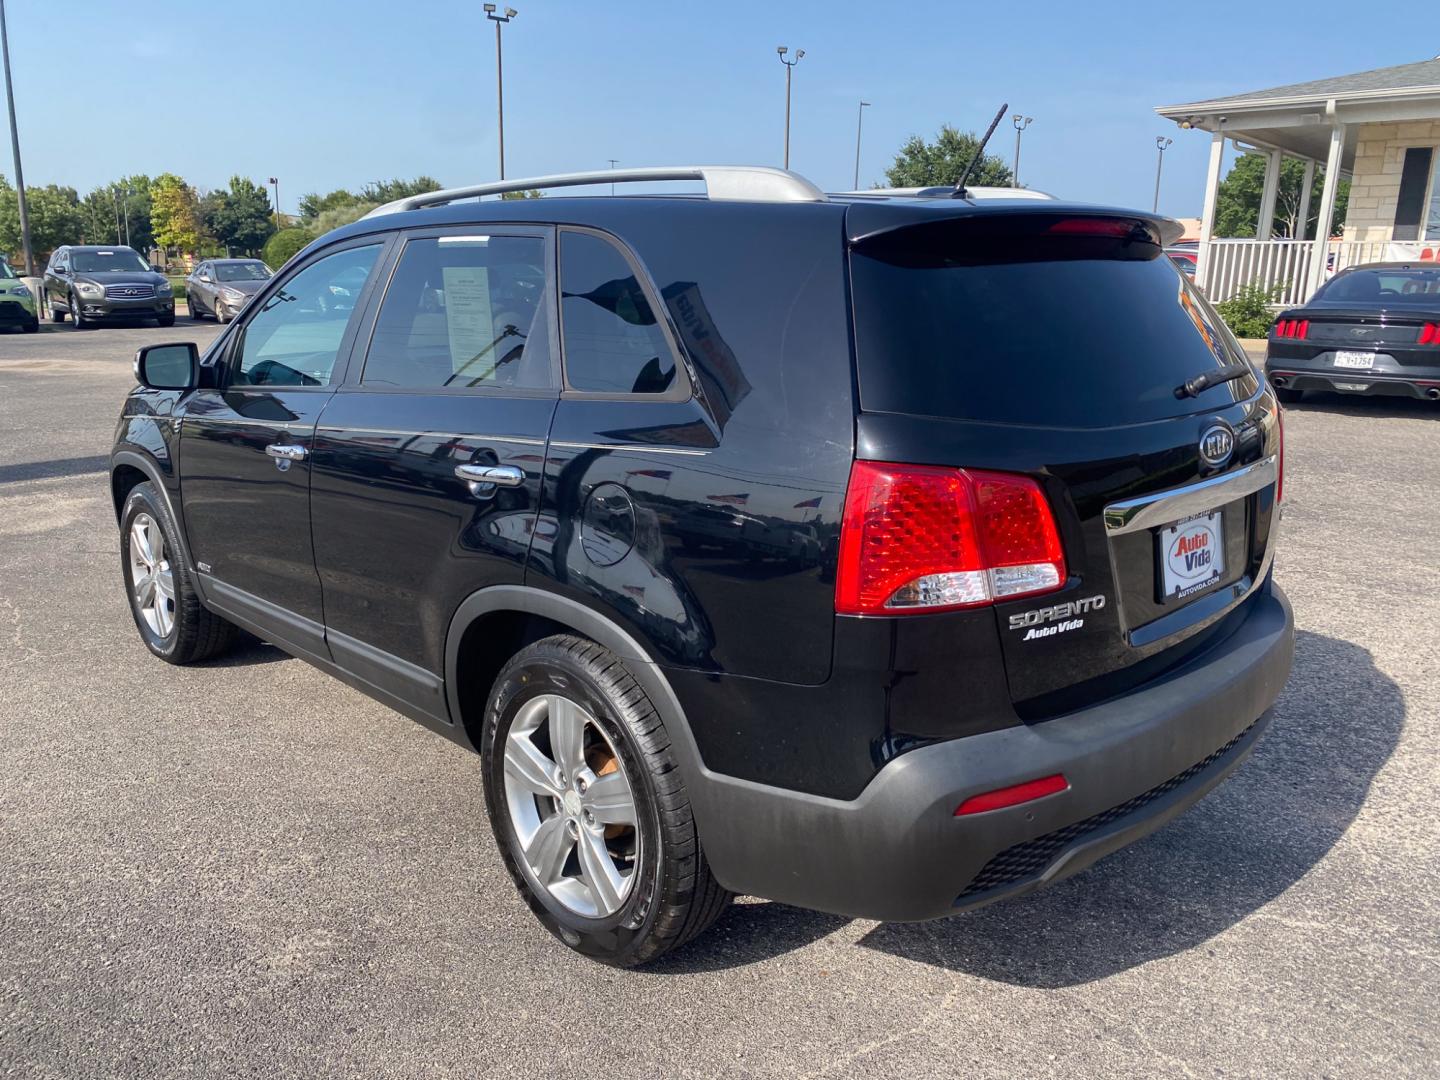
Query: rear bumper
(1387, 378)
(898, 853)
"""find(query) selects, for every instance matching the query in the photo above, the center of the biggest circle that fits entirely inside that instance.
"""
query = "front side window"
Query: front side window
(612, 340)
(99, 262)
(464, 311)
(293, 338)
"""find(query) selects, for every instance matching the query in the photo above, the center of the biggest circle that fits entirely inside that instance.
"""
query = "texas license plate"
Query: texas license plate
(1192, 554)
(1362, 360)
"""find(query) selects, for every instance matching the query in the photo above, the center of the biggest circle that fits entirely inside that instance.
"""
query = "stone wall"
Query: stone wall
(1375, 188)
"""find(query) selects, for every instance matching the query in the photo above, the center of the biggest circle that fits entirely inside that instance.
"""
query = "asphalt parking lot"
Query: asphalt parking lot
(248, 869)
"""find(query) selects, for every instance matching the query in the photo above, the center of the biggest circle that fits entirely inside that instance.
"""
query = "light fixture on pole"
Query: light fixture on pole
(1021, 123)
(789, 71)
(15, 149)
(859, 120)
(500, 20)
(275, 183)
(1161, 142)
(613, 163)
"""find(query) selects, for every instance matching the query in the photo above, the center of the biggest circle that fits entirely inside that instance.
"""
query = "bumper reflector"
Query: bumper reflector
(1013, 795)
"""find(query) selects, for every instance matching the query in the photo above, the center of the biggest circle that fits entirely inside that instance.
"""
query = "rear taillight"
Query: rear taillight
(1292, 328)
(920, 538)
(1430, 334)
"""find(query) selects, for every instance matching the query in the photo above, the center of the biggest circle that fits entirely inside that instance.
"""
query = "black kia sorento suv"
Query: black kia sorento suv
(882, 555)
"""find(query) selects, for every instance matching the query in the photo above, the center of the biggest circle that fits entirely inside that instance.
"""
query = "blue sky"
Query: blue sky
(327, 95)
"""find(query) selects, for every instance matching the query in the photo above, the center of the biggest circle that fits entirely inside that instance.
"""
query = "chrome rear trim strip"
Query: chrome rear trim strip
(1148, 511)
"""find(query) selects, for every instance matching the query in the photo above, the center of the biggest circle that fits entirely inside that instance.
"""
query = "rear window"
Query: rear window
(1033, 320)
(1390, 285)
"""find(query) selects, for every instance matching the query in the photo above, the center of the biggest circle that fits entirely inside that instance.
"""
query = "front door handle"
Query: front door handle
(287, 453)
(484, 479)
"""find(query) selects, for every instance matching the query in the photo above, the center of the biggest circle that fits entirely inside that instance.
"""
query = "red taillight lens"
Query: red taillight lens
(919, 538)
(1292, 328)
(1013, 796)
(1301, 329)
(1430, 334)
(1280, 327)
(1093, 227)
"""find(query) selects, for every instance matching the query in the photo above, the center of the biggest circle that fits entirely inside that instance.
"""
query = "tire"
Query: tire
(220, 314)
(32, 327)
(194, 308)
(1287, 396)
(166, 320)
(55, 316)
(76, 319)
(191, 632)
(668, 895)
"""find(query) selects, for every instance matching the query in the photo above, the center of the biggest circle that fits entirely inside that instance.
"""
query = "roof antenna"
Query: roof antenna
(959, 192)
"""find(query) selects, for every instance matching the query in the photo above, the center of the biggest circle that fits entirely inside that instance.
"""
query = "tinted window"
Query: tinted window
(464, 311)
(5, 271)
(99, 262)
(611, 339)
(1397, 285)
(293, 337)
(1011, 322)
(245, 271)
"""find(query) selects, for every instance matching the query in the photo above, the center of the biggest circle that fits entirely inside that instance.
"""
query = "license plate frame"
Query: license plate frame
(1194, 566)
(1353, 361)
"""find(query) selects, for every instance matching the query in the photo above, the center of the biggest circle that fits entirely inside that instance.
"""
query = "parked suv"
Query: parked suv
(96, 283)
(882, 555)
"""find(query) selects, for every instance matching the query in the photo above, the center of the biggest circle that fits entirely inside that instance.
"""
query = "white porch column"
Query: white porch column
(1327, 209)
(1305, 185)
(1207, 213)
(1265, 223)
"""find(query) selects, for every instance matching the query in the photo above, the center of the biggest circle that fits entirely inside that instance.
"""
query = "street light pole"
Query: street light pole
(613, 163)
(275, 183)
(1021, 123)
(789, 71)
(127, 215)
(1161, 142)
(859, 120)
(15, 149)
(500, 20)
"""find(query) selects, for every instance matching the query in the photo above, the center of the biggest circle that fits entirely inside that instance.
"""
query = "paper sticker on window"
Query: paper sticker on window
(469, 319)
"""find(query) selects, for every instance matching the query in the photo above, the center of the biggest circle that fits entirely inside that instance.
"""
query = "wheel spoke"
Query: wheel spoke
(527, 765)
(548, 849)
(155, 539)
(599, 872)
(145, 589)
(165, 581)
(164, 617)
(140, 543)
(609, 798)
(567, 735)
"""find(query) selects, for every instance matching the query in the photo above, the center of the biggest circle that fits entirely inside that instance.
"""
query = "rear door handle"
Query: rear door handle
(484, 479)
(286, 453)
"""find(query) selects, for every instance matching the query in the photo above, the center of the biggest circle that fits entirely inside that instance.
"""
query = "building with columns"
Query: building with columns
(1380, 129)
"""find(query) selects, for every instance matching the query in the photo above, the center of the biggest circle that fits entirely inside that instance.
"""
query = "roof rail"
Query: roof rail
(743, 183)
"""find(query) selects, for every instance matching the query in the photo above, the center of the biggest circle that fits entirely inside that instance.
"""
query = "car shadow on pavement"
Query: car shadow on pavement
(247, 651)
(1335, 725)
(45, 470)
(1338, 404)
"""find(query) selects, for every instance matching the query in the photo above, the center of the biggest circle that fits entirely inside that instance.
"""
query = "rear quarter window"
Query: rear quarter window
(1003, 321)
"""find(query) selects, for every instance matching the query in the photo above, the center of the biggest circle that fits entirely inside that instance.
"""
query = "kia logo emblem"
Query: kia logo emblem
(1217, 443)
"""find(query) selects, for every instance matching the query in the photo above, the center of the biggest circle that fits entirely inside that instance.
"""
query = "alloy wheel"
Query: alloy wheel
(571, 806)
(152, 580)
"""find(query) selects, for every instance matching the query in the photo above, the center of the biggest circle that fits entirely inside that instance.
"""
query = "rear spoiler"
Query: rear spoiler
(864, 220)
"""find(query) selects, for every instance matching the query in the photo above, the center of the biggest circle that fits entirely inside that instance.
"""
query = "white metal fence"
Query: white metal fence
(1285, 264)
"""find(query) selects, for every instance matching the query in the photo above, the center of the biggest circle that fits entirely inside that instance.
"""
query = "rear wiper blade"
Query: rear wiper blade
(1200, 383)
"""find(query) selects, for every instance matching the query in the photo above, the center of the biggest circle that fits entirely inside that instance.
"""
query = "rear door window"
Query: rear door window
(612, 341)
(464, 311)
(1022, 321)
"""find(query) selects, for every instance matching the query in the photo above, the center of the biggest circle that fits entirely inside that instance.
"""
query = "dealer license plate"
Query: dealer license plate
(1361, 360)
(1192, 554)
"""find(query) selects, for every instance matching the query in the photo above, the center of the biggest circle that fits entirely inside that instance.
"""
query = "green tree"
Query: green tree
(1237, 206)
(240, 217)
(383, 191)
(281, 247)
(338, 216)
(313, 204)
(55, 218)
(100, 217)
(928, 164)
(174, 213)
(533, 193)
(134, 195)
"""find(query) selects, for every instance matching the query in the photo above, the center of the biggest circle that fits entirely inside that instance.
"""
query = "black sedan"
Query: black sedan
(1371, 329)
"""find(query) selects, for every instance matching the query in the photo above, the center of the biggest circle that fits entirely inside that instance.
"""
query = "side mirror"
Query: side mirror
(168, 367)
